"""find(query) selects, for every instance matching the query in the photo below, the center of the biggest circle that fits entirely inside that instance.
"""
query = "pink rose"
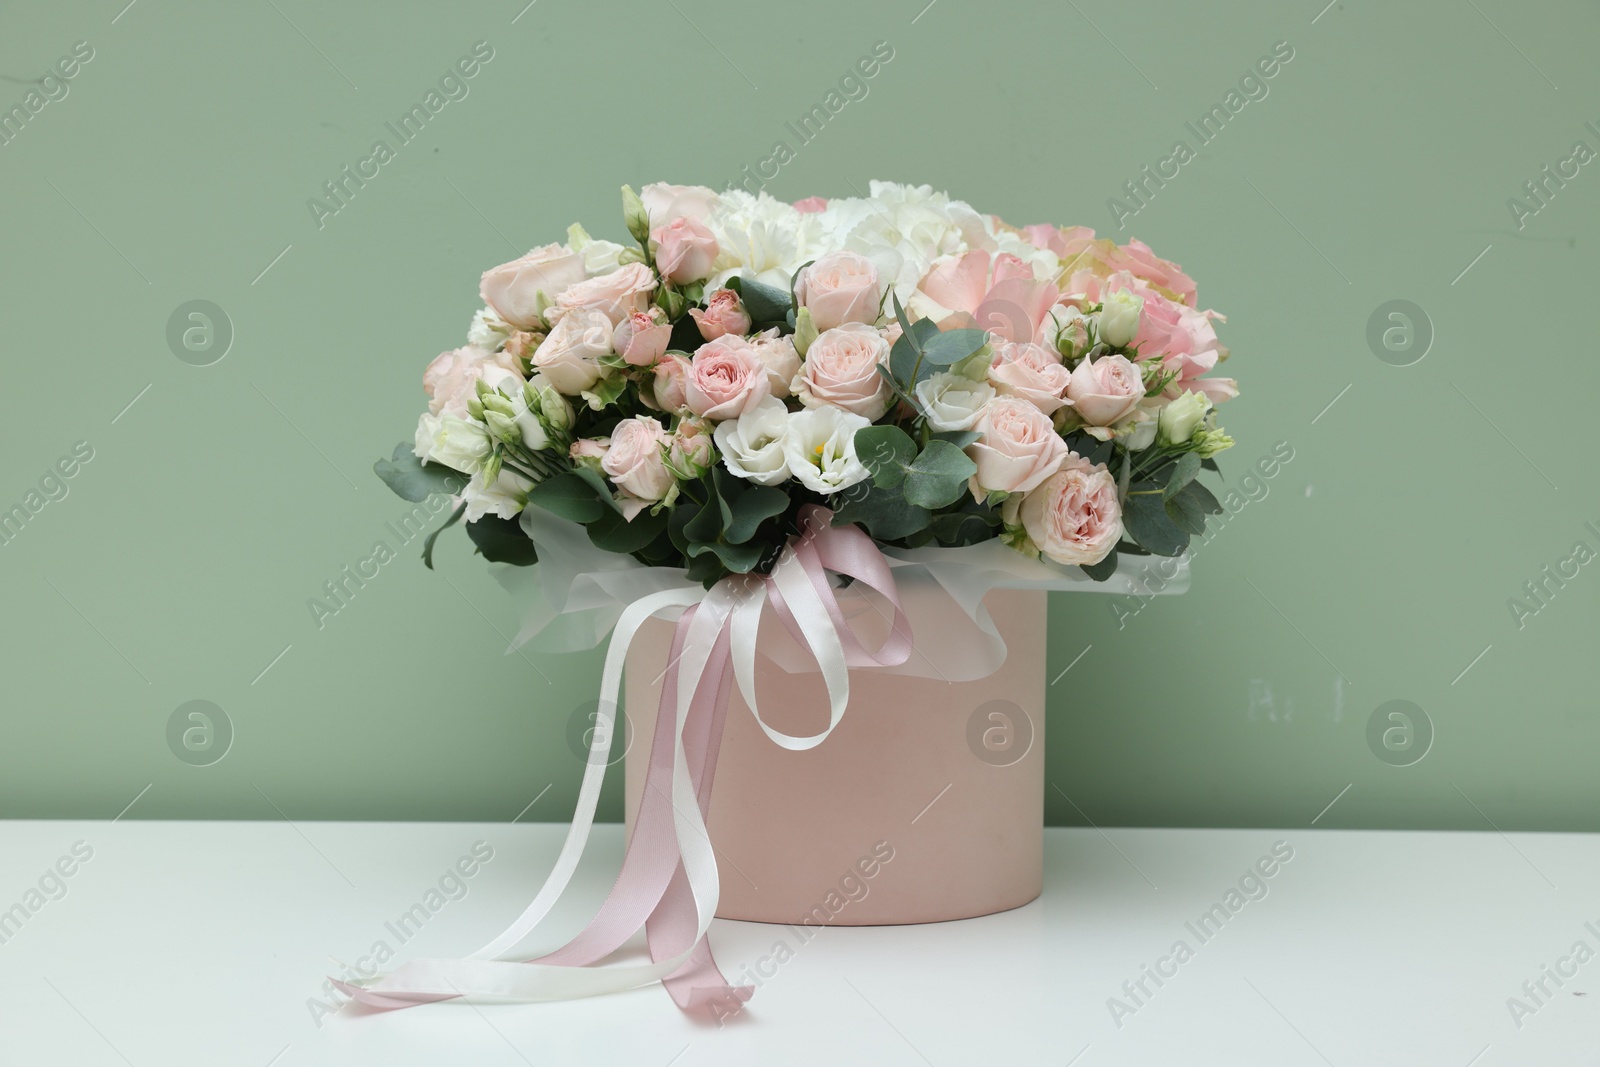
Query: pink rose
(726, 378)
(1074, 517)
(689, 450)
(1105, 391)
(685, 251)
(995, 293)
(590, 448)
(724, 313)
(663, 202)
(841, 370)
(569, 358)
(1031, 372)
(618, 294)
(672, 374)
(642, 337)
(521, 343)
(839, 287)
(779, 357)
(811, 205)
(1018, 450)
(1136, 258)
(521, 290)
(1065, 242)
(636, 462)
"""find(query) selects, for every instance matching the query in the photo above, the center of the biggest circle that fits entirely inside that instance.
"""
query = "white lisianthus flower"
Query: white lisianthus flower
(820, 448)
(599, 256)
(1119, 318)
(427, 430)
(953, 401)
(460, 444)
(488, 330)
(505, 497)
(752, 445)
(1182, 417)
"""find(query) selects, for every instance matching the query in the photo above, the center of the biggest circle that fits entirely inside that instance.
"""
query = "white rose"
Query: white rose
(953, 401)
(568, 358)
(459, 444)
(1119, 318)
(505, 498)
(752, 444)
(821, 448)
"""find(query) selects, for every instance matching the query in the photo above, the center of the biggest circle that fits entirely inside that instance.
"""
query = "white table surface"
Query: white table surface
(201, 943)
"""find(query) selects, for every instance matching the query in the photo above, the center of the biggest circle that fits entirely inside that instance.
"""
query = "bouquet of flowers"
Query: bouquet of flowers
(934, 375)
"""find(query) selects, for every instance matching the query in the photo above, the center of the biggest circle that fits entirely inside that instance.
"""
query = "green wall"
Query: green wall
(1375, 565)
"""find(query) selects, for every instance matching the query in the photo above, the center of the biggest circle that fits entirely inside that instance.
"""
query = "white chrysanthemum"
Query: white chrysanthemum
(903, 229)
(488, 330)
(760, 237)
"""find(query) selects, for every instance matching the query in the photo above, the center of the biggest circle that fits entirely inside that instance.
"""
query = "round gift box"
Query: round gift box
(926, 803)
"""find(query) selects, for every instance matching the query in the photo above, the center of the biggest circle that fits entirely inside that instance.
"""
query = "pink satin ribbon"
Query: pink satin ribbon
(653, 890)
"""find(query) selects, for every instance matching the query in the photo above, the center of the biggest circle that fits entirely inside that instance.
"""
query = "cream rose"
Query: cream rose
(1032, 372)
(752, 444)
(839, 287)
(520, 291)
(1105, 391)
(569, 357)
(953, 401)
(726, 378)
(1074, 517)
(841, 370)
(637, 461)
(820, 447)
(1018, 450)
(663, 202)
(617, 295)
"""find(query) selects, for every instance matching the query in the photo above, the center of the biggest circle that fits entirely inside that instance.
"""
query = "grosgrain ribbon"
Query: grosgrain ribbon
(668, 884)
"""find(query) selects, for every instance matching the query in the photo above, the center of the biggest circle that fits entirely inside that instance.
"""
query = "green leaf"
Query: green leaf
(1211, 465)
(413, 480)
(1203, 498)
(906, 332)
(739, 559)
(959, 438)
(955, 529)
(1183, 472)
(888, 376)
(613, 533)
(707, 523)
(953, 346)
(752, 508)
(884, 513)
(1104, 569)
(1145, 518)
(568, 496)
(1186, 515)
(766, 304)
(427, 544)
(502, 541)
(886, 451)
(937, 477)
(597, 482)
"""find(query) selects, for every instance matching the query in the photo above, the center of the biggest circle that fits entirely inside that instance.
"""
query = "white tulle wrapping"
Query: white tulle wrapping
(574, 596)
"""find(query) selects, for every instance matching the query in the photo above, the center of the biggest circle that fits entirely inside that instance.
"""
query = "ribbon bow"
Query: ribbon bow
(668, 884)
